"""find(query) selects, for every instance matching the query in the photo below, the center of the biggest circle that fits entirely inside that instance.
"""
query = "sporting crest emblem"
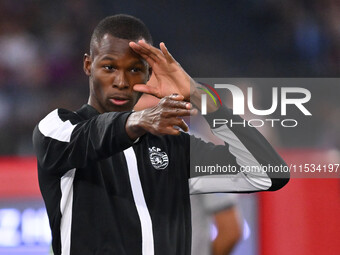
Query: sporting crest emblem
(159, 159)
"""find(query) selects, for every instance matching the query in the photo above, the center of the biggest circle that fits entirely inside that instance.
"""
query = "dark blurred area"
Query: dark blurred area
(42, 45)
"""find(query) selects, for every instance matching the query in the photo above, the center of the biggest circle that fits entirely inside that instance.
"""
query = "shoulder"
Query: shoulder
(63, 115)
(59, 122)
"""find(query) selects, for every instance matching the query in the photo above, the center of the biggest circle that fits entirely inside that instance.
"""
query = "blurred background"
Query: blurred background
(41, 50)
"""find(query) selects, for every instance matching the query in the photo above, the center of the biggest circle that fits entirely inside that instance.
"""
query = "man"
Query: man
(116, 181)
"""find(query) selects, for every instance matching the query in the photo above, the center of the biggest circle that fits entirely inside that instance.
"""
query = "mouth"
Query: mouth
(119, 100)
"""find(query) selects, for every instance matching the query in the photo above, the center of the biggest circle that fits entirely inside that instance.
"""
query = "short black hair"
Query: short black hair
(121, 26)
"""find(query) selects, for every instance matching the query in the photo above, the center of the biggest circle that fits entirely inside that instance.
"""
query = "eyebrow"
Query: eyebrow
(136, 62)
(107, 58)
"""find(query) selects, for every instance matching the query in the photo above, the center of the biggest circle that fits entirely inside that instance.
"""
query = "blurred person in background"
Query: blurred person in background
(216, 220)
(216, 227)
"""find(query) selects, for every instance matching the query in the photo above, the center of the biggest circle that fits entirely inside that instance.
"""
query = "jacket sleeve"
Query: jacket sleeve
(246, 163)
(63, 142)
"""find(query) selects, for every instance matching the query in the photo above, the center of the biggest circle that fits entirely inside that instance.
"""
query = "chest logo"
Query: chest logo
(159, 159)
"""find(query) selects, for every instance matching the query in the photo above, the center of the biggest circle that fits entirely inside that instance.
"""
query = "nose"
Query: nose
(120, 81)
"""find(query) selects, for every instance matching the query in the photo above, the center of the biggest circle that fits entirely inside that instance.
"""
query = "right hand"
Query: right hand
(161, 119)
(171, 77)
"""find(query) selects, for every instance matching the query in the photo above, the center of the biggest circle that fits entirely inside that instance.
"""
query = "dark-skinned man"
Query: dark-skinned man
(116, 181)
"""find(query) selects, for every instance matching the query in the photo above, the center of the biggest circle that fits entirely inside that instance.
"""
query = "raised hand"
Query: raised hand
(171, 77)
(161, 119)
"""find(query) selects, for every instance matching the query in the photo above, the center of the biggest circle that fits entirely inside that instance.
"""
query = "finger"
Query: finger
(179, 104)
(180, 98)
(178, 113)
(153, 50)
(148, 59)
(172, 131)
(176, 97)
(181, 113)
(141, 49)
(166, 53)
(145, 89)
(193, 112)
(181, 124)
(138, 49)
(175, 102)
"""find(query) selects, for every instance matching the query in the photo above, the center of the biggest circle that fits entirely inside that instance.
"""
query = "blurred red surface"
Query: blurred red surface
(18, 177)
(304, 216)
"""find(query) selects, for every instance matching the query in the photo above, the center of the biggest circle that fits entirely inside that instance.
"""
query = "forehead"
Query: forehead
(117, 47)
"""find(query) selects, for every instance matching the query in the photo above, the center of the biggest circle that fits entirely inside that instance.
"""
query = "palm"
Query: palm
(169, 76)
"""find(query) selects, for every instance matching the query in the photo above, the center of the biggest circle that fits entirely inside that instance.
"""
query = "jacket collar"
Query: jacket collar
(87, 112)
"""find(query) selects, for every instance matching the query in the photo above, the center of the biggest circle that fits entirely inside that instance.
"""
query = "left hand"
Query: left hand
(171, 77)
(161, 119)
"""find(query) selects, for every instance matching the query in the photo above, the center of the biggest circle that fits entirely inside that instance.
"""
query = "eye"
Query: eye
(108, 67)
(136, 70)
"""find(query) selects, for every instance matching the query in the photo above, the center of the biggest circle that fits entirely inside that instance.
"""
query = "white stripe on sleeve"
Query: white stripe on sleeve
(251, 181)
(52, 126)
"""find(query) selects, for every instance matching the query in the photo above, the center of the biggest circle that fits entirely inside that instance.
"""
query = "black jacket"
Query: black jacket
(106, 194)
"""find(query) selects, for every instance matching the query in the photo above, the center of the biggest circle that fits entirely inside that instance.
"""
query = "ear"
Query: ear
(87, 62)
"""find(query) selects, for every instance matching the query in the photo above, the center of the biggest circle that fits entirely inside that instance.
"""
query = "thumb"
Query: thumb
(144, 89)
(176, 97)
